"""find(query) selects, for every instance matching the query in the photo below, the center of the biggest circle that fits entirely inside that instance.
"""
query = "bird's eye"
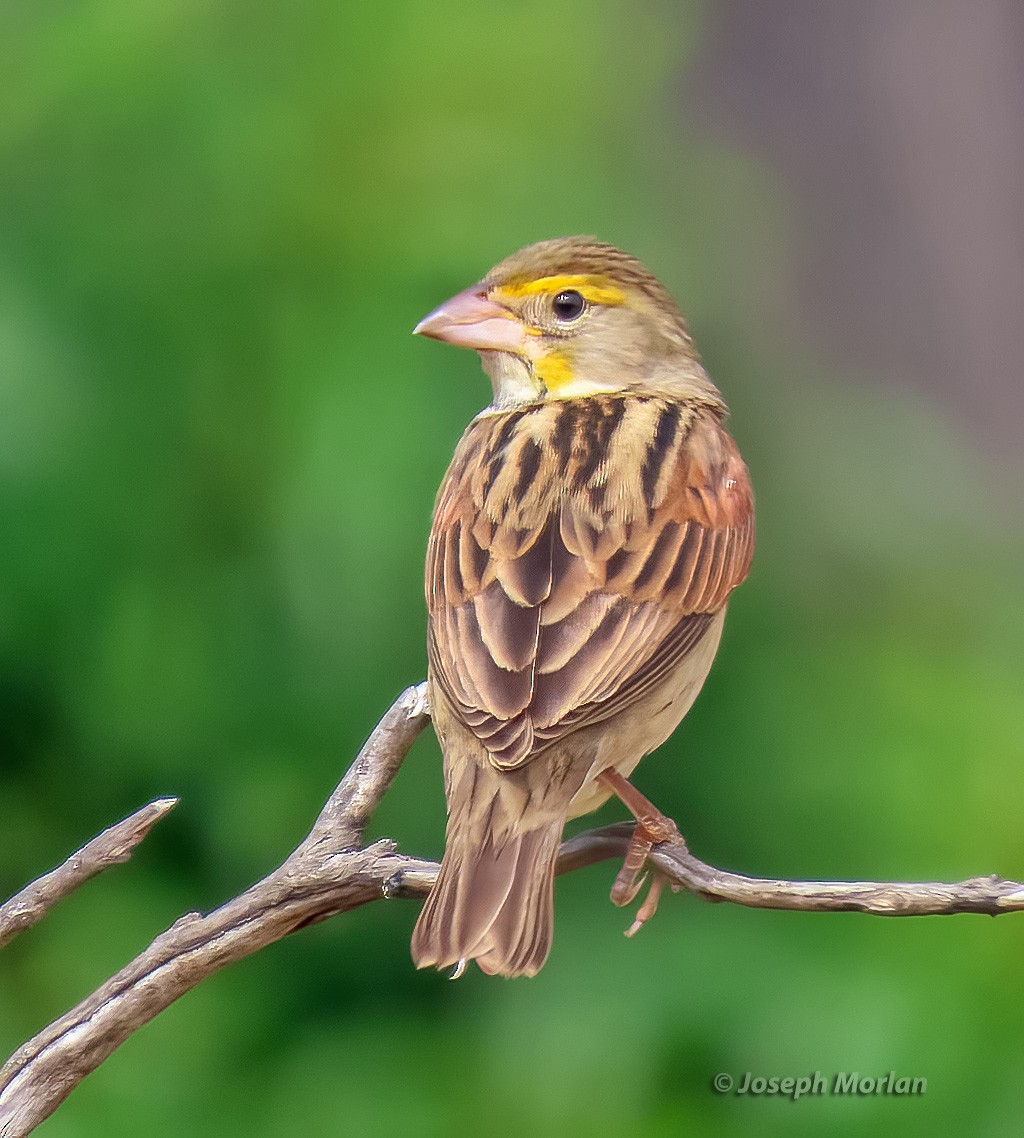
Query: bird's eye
(568, 306)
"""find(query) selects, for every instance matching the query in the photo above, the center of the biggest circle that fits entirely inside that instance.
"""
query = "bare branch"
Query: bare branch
(327, 874)
(115, 845)
(357, 796)
(330, 873)
(991, 895)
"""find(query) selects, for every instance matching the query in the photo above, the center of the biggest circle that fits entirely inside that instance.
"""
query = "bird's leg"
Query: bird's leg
(657, 826)
(652, 827)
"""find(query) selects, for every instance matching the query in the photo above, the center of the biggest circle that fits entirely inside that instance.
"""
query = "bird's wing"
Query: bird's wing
(562, 586)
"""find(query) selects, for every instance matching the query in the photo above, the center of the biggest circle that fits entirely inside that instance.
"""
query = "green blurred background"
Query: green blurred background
(218, 451)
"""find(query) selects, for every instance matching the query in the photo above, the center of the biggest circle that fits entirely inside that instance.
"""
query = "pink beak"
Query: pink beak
(471, 320)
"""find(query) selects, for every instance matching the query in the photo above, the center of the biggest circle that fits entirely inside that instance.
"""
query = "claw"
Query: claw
(626, 887)
(649, 906)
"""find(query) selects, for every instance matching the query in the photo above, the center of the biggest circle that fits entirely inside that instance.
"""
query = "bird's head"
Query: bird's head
(573, 317)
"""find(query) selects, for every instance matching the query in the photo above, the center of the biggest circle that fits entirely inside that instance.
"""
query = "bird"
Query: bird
(586, 537)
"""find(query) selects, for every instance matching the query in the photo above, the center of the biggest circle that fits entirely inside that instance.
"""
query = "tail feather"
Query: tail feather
(493, 902)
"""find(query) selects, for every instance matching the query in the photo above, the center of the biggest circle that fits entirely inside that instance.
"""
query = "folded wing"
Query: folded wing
(562, 586)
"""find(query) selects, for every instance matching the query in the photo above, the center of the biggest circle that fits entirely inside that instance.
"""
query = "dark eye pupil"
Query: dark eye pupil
(568, 305)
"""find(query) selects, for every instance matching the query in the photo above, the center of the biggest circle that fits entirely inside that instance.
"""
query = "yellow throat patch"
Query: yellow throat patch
(554, 370)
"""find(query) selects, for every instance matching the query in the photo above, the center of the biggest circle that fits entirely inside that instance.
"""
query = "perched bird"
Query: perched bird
(586, 537)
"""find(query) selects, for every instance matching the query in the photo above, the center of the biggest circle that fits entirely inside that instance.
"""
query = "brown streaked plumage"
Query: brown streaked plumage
(585, 541)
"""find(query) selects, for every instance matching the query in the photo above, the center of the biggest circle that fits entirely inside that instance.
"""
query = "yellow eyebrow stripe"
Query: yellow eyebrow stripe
(593, 289)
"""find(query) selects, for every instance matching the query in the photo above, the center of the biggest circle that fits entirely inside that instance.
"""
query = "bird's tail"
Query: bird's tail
(493, 901)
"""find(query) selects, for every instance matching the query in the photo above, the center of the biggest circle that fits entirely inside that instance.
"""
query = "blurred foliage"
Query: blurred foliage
(218, 450)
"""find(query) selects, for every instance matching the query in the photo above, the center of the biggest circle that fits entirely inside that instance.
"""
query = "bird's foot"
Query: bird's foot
(652, 828)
